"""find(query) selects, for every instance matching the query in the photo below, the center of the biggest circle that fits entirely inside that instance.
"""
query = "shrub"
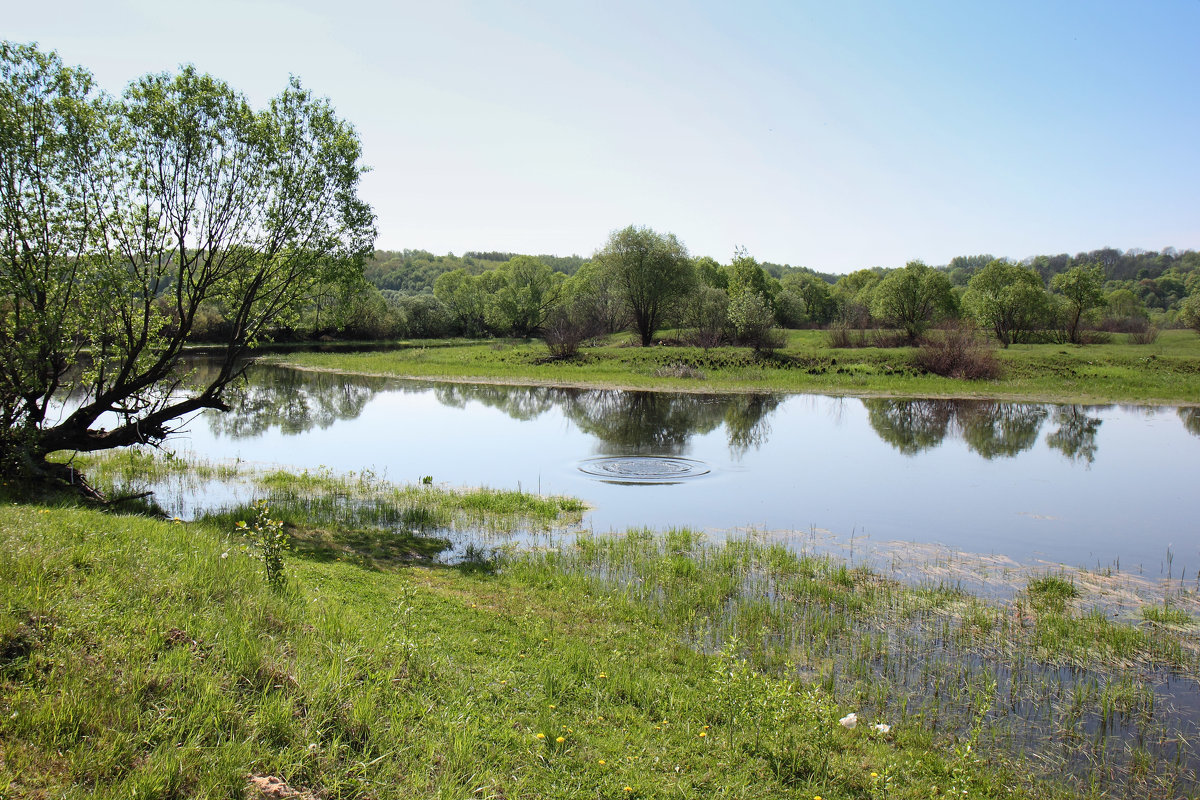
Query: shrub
(564, 331)
(1146, 336)
(754, 323)
(958, 352)
(839, 335)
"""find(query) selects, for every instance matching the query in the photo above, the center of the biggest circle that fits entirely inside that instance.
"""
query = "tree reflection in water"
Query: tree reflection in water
(631, 423)
(1191, 419)
(661, 423)
(988, 427)
(1076, 434)
(292, 401)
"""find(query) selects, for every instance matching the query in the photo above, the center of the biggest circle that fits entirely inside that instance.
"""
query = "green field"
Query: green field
(149, 658)
(1165, 372)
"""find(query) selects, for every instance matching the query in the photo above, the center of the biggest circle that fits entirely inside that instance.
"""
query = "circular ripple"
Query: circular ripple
(644, 469)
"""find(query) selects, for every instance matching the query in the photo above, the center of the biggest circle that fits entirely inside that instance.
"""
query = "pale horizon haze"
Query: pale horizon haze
(832, 135)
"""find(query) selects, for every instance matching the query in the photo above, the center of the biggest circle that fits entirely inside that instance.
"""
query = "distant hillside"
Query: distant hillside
(414, 271)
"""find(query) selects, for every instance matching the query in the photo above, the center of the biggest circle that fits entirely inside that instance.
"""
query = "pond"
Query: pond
(1089, 486)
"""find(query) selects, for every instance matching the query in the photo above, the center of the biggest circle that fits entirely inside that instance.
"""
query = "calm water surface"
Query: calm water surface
(1082, 485)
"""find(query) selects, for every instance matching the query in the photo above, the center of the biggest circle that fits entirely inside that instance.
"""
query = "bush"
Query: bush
(958, 352)
(1146, 336)
(564, 331)
(842, 335)
(754, 323)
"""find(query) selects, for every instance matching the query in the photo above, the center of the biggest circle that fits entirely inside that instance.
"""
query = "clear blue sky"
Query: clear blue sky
(835, 135)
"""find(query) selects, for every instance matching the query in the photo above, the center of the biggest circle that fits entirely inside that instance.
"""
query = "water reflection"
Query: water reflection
(663, 423)
(988, 427)
(292, 401)
(1191, 419)
(631, 423)
(1076, 434)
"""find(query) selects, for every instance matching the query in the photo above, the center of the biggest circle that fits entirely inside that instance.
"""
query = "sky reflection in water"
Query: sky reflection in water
(1083, 485)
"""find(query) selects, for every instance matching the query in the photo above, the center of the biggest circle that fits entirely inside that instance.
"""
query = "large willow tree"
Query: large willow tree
(120, 218)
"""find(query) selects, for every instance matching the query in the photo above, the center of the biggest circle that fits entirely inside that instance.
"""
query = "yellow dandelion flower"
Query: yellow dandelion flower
(560, 740)
(874, 774)
(703, 734)
(541, 736)
(602, 762)
(629, 788)
(553, 706)
(602, 675)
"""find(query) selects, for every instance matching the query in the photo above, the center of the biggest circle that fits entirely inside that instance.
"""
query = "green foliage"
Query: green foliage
(650, 272)
(820, 307)
(466, 299)
(913, 298)
(524, 292)
(1082, 290)
(707, 316)
(1189, 312)
(268, 540)
(123, 219)
(753, 321)
(1007, 298)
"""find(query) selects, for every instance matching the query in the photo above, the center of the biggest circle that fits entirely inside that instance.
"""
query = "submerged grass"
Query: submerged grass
(357, 515)
(1166, 371)
(1070, 688)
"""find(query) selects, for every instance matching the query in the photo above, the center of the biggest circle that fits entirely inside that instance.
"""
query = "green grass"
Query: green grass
(1167, 371)
(147, 658)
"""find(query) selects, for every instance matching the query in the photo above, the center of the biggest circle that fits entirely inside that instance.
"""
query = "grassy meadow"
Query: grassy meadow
(149, 657)
(1165, 371)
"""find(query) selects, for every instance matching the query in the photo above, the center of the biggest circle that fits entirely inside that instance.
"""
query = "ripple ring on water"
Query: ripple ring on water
(644, 469)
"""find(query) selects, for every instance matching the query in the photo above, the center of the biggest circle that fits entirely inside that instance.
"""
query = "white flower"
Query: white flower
(849, 721)
(225, 554)
(882, 727)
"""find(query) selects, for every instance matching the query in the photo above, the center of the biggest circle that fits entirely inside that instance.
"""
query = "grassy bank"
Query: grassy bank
(1167, 371)
(149, 658)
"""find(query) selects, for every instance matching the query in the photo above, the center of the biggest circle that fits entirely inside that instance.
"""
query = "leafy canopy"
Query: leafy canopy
(121, 217)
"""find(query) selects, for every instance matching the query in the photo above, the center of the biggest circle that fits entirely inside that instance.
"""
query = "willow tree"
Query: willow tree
(121, 217)
(650, 272)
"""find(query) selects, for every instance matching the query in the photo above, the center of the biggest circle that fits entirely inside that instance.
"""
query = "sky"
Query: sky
(832, 135)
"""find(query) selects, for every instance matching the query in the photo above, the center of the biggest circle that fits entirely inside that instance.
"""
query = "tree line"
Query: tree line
(644, 281)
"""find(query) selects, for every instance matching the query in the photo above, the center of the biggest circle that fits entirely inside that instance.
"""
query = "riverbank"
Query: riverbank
(1166, 372)
(151, 657)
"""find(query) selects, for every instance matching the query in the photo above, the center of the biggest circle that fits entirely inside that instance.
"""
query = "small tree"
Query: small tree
(1082, 290)
(913, 298)
(753, 322)
(650, 272)
(707, 315)
(1189, 312)
(525, 292)
(1007, 298)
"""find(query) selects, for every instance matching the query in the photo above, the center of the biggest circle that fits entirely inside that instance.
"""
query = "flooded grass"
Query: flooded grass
(359, 515)
(1044, 677)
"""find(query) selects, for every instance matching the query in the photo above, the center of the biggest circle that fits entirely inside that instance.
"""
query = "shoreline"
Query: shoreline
(831, 391)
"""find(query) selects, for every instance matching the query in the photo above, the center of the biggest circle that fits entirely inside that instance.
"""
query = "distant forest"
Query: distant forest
(1158, 279)
(415, 271)
(417, 294)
